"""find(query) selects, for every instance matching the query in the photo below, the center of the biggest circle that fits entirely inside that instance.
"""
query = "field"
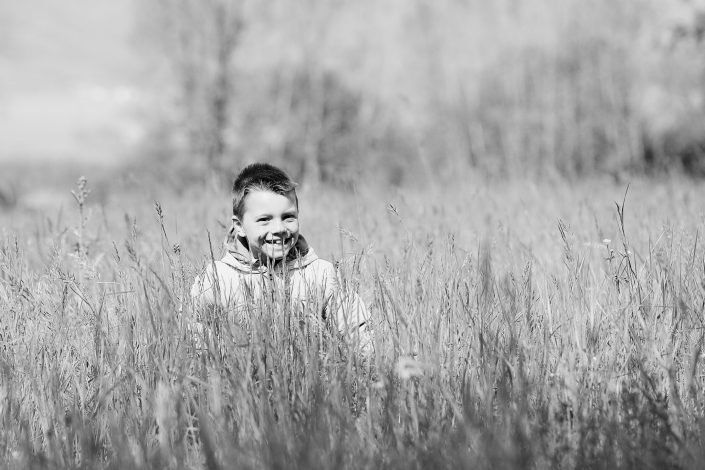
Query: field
(513, 188)
(516, 324)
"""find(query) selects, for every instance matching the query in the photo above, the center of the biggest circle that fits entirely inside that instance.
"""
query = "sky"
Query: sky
(67, 79)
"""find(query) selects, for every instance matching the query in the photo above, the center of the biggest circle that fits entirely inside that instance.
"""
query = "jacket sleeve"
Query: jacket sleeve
(202, 294)
(347, 310)
(204, 287)
(353, 320)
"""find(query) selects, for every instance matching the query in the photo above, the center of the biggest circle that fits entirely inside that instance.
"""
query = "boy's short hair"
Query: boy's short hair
(260, 177)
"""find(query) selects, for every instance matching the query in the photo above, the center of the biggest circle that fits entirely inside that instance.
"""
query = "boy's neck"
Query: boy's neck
(270, 263)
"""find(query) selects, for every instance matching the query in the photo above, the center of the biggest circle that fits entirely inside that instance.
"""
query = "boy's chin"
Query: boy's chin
(275, 255)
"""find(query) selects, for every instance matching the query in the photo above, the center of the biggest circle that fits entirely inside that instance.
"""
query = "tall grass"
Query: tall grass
(591, 359)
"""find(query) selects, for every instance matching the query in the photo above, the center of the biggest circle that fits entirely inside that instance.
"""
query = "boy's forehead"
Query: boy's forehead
(264, 199)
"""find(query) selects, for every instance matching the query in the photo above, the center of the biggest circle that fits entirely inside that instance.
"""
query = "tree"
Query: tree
(197, 39)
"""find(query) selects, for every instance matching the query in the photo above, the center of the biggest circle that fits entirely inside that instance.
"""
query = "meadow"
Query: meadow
(511, 187)
(517, 324)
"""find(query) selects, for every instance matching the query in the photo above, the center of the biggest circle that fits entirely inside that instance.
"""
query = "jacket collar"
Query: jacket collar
(238, 256)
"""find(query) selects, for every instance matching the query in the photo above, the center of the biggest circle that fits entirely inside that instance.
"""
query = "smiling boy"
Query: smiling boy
(270, 225)
(265, 253)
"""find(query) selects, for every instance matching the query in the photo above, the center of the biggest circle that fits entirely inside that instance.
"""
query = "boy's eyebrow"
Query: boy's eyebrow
(266, 213)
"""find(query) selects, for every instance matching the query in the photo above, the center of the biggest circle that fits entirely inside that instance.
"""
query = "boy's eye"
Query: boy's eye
(262, 219)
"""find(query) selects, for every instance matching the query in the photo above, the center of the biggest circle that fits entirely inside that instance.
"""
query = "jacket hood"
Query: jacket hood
(238, 255)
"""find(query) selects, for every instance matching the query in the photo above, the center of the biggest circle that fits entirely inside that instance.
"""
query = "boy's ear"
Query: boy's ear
(237, 226)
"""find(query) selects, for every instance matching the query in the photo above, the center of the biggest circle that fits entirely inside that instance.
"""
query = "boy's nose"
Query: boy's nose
(278, 227)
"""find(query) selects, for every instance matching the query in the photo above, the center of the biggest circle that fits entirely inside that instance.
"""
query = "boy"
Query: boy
(266, 255)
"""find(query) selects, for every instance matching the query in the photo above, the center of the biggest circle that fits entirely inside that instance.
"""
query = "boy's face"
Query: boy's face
(270, 223)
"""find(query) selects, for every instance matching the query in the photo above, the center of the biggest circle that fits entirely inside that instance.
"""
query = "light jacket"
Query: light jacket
(303, 279)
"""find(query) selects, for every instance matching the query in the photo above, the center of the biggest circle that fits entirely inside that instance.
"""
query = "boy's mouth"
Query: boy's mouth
(279, 242)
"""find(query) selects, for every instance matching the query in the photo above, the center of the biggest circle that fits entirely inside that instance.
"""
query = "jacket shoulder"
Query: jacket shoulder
(320, 262)
(204, 284)
(322, 266)
(323, 274)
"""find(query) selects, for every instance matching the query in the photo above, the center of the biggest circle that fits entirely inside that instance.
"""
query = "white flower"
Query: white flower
(408, 367)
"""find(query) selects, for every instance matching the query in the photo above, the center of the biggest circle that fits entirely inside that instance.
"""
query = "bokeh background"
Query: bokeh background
(158, 99)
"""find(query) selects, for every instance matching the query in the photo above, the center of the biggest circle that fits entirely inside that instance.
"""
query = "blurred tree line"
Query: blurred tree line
(395, 91)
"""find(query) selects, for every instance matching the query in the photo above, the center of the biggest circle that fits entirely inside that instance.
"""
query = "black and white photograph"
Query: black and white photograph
(352, 234)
